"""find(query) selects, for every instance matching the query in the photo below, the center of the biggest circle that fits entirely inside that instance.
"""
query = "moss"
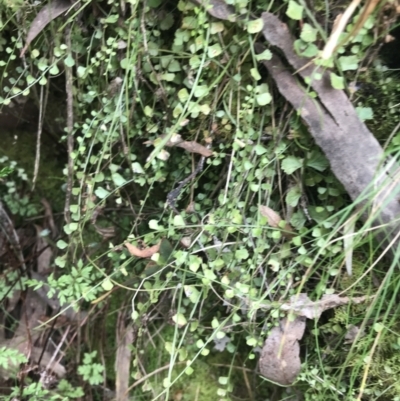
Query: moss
(202, 384)
(20, 146)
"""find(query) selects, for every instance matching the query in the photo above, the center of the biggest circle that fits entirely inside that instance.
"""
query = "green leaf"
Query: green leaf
(216, 27)
(337, 82)
(111, 19)
(135, 315)
(293, 196)
(73, 226)
(241, 254)
(178, 221)
(101, 193)
(365, 113)
(177, 111)
(148, 111)
(189, 370)
(107, 284)
(137, 168)
(305, 49)
(215, 323)
(60, 261)
(124, 63)
(263, 99)
(255, 74)
(194, 263)
(209, 274)
(192, 293)
(80, 71)
(348, 63)
(317, 161)
(70, 228)
(205, 109)
(54, 70)
(167, 22)
(168, 77)
(174, 66)
(8, 355)
(179, 319)
(291, 163)
(214, 50)
(195, 61)
(30, 80)
(119, 181)
(259, 149)
(99, 177)
(295, 10)
(255, 26)
(69, 61)
(252, 342)
(154, 3)
(308, 33)
(236, 216)
(153, 224)
(265, 55)
(183, 95)
(201, 90)
(61, 244)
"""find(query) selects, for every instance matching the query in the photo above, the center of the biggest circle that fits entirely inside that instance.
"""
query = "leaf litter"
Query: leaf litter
(280, 356)
(47, 14)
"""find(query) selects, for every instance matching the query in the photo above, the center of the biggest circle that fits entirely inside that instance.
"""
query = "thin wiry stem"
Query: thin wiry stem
(70, 124)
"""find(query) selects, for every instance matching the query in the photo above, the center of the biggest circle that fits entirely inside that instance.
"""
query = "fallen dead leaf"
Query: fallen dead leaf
(44, 252)
(389, 38)
(352, 333)
(280, 356)
(218, 9)
(190, 146)
(142, 253)
(274, 219)
(47, 14)
(125, 337)
(301, 305)
(194, 147)
(105, 232)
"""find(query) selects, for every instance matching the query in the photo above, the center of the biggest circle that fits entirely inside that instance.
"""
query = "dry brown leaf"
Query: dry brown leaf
(389, 38)
(274, 219)
(194, 147)
(280, 356)
(301, 305)
(49, 218)
(47, 14)
(142, 253)
(123, 361)
(352, 333)
(218, 9)
(105, 232)
(44, 252)
(190, 146)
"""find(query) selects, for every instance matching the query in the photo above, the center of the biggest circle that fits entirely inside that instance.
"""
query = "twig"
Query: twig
(70, 125)
(57, 350)
(154, 372)
(38, 139)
